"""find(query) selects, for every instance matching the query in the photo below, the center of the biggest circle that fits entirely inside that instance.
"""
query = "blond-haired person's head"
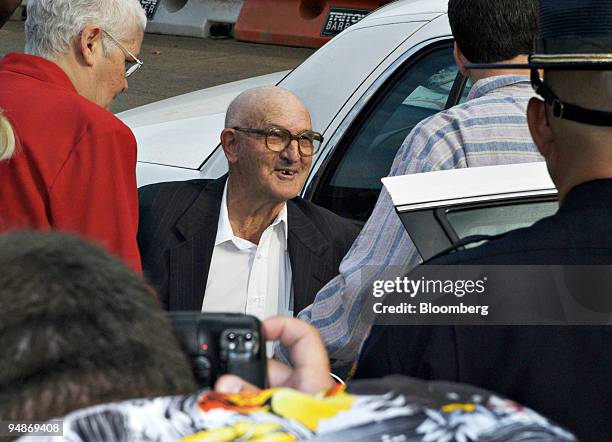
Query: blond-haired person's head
(7, 139)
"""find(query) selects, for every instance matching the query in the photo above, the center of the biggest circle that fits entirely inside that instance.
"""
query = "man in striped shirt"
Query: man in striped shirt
(489, 129)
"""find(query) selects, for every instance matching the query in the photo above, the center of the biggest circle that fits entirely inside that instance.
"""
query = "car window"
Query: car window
(328, 78)
(350, 183)
(498, 219)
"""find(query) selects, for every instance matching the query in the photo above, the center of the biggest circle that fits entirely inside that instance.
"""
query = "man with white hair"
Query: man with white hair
(245, 242)
(73, 168)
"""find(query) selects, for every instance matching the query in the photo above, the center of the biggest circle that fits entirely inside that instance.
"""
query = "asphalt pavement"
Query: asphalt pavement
(177, 65)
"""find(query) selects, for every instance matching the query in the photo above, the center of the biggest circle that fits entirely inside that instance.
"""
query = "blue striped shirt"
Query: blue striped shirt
(489, 128)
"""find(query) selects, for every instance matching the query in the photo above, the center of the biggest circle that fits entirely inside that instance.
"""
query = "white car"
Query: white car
(440, 208)
(366, 89)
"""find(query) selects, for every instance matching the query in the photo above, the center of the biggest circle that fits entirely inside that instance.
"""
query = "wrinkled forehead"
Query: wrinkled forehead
(286, 111)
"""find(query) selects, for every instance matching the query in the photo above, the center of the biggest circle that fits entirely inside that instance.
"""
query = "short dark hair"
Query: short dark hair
(489, 31)
(78, 328)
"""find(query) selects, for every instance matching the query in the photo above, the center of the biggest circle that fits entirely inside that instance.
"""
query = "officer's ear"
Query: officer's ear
(89, 42)
(230, 144)
(541, 133)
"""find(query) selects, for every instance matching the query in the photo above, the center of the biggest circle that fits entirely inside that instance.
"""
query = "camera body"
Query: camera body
(221, 343)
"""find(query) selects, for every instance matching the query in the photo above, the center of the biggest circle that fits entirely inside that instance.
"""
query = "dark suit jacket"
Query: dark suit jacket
(178, 226)
(563, 372)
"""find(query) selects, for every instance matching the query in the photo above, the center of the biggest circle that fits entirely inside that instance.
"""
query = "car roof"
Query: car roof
(201, 103)
(405, 7)
(446, 187)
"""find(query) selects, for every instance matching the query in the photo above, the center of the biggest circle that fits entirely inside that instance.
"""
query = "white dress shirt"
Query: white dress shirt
(250, 278)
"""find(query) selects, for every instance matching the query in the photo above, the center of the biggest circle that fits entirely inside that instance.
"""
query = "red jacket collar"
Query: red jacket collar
(36, 67)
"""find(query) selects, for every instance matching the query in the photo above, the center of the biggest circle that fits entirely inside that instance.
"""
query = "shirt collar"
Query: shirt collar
(594, 193)
(224, 227)
(282, 218)
(486, 85)
(36, 67)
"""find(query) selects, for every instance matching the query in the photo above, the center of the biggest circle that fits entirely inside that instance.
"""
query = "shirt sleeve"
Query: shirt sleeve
(383, 248)
(95, 192)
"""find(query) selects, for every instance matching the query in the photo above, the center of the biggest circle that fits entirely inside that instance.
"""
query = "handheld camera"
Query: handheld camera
(221, 343)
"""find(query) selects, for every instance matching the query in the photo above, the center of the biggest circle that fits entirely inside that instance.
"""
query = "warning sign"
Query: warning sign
(339, 19)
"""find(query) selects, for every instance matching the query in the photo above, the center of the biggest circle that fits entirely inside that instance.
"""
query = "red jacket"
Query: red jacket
(75, 163)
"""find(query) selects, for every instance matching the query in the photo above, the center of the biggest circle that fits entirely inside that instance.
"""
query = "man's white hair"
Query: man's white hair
(52, 25)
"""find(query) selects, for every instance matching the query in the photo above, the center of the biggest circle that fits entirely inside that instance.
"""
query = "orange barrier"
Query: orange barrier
(309, 23)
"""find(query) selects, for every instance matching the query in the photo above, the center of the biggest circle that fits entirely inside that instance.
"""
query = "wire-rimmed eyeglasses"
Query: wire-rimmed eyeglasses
(279, 138)
(131, 66)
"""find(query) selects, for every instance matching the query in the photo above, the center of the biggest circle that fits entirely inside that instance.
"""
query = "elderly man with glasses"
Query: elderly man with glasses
(245, 242)
(74, 163)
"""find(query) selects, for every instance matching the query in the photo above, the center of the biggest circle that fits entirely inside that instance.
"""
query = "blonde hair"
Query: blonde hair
(7, 139)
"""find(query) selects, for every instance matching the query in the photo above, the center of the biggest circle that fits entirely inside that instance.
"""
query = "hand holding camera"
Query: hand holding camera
(310, 371)
(219, 343)
(227, 351)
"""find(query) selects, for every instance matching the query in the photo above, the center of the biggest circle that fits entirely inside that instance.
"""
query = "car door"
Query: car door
(434, 230)
(439, 209)
(414, 87)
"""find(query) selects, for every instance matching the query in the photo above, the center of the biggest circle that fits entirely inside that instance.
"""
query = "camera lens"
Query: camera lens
(231, 336)
(248, 336)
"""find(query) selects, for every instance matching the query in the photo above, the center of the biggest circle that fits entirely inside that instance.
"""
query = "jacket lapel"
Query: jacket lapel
(190, 260)
(306, 246)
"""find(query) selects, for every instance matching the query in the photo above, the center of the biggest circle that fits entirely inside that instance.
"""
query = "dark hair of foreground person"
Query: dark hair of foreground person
(78, 328)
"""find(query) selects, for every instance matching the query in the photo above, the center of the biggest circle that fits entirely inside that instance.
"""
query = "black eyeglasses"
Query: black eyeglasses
(279, 138)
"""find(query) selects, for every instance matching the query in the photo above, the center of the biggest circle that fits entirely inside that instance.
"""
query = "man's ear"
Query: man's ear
(90, 41)
(540, 130)
(231, 147)
(460, 61)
